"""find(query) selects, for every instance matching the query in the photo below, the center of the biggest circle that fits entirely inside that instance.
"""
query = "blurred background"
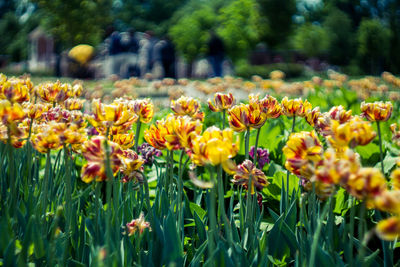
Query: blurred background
(198, 38)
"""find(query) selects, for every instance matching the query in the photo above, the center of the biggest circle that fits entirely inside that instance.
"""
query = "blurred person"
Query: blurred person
(130, 48)
(146, 53)
(216, 54)
(167, 57)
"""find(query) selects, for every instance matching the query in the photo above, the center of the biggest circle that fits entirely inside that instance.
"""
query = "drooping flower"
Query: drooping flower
(187, 106)
(221, 102)
(137, 225)
(300, 149)
(94, 152)
(262, 156)
(295, 107)
(377, 111)
(243, 173)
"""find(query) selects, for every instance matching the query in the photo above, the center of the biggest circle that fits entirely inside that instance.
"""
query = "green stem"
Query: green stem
(223, 118)
(352, 215)
(380, 146)
(246, 143)
(68, 187)
(318, 232)
(45, 187)
(212, 215)
(361, 230)
(249, 213)
(256, 146)
(180, 192)
(137, 134)
(11, 172)
(287, 172)
(109, 181)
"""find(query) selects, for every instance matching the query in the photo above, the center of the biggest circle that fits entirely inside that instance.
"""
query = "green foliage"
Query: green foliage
(191, 32)
(341, 41)
(292, 70)
(239, 27)
(310, 39)
(373, 41)
(277, 22)
(76, 22)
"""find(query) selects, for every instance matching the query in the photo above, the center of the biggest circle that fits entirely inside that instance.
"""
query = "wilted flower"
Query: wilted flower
(187, 106)
(377, 111)
(94, 152)
(262, 156)
(138, 224)
(389, 229)
(300, 149)
(295, 107)
(243, 173)
(221, 102)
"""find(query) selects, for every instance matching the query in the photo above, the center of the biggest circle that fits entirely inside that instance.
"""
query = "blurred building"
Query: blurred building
(41, 55)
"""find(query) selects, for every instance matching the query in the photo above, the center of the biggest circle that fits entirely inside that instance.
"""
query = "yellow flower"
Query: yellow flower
(377, 111)
(131, 165)
(389, 229)
(271, 107)
(214, 147)
(340, 114)
(15, 90)
(34, 111)
(74, 103)
(46, 139)
(144, 108)
(138, 224)
(277, 75)
(389, 201)
(395, 178)
(94, 152)
(295, 107)
(115, 114)
(187, 106)
(125, 140)
(243, 117)
(53, 92)
(395, 134)
(221, 102)
(301, 149)
(243, 173)
(10, 112)
(313, 116)
(367, 184)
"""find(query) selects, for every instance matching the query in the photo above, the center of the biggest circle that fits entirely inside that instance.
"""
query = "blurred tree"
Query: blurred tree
(310, 39)
(341, 46)
(190, 33)
(373, 44)
(74, 21)
(277, 17)
(239, 26)
(152, 15)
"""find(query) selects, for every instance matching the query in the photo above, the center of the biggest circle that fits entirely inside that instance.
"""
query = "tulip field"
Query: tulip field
(227, 172)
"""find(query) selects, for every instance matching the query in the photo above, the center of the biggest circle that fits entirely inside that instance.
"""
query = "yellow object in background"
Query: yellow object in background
(81, 53)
